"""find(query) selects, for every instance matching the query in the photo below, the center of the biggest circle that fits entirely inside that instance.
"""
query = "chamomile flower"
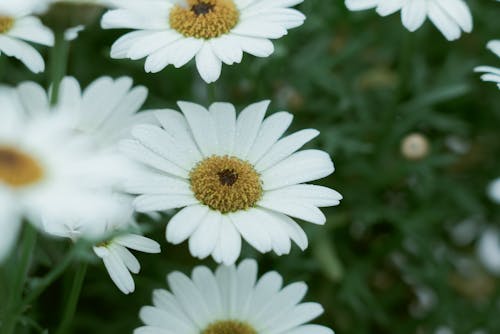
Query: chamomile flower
(212, 31)
(233, 176)
(491, 73)
(40, 178)
(18, 25)
(101, 115)
(451, 17)
(231, 300)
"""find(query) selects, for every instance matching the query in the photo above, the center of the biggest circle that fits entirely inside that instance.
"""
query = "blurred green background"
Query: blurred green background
(389, 259)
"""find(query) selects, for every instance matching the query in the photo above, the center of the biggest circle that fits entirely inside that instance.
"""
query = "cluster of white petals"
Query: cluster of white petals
(18, 25)
(451, 17)
(231, 298)
(491, 74)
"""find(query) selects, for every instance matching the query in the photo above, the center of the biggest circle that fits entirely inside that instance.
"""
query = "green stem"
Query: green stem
(58, 63)
(72, 302)
(15, 298)
(50, 278)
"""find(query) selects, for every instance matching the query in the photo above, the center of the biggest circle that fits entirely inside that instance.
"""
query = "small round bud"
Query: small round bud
(415, 146)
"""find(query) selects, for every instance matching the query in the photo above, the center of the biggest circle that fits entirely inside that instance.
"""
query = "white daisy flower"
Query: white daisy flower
(232, 301)
(17, 25)
(39, 177)
(491, 73)
(451, 17)
(232, 176)
(212, 31)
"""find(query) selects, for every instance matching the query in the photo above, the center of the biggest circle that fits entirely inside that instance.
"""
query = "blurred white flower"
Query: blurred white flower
(494, 191)
(451, 17)
(233, 176)
(17, 25)
(232, 301)
(492, 74)
(45, 170)
(488, 250)
(212, 31)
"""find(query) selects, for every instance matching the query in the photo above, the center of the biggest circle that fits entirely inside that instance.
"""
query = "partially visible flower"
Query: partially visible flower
(120, 262)
(103, 114)
(494, 191)
(451, 17)
(232, 176)
(105, 111)
(172, 32)
(40, 177)
(488, 250)
(17, 25)
(491, 73)
(231, 300)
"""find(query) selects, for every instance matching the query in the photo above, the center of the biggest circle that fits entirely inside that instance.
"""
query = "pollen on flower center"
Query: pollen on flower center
(17, 169)
(6, 23)
(229, 327)
(204, 19)
(226, 184)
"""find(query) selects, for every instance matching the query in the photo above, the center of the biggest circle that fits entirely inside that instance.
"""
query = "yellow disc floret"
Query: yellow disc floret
(229, 327)
(204, 19)
(18, 169)
(6, 23)
(226, 184)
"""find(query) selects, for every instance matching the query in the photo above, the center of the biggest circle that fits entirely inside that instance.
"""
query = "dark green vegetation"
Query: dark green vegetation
(365, 83)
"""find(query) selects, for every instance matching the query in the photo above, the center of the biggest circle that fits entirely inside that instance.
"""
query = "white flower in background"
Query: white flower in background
(102, 114)
(232, 301)
(494, 191)
(17, 25)
(212, 31)
(488, 250)
(451, 17)
(44, 168)
(232, 176)
(106, 110)
(491, 73)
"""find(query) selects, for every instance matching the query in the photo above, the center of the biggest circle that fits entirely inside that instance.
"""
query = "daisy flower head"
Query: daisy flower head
(98, 116)
(172, 32)
(231, 300)
(451, 17)
(491, 73)
(39, 177)
(232, 176)
(18, 25)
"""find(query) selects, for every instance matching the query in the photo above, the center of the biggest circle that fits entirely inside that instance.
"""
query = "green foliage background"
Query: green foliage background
(365, 83)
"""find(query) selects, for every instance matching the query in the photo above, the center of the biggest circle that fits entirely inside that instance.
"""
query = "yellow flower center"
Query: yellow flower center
(226, 184)
(204, 18)
(17, 169)
(6, 23)
(229, 327)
